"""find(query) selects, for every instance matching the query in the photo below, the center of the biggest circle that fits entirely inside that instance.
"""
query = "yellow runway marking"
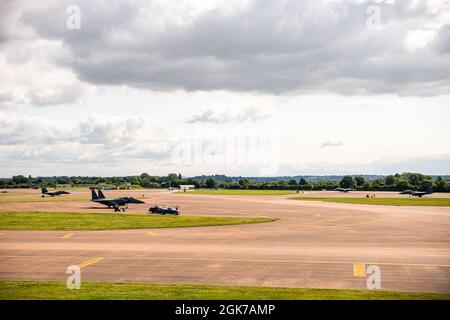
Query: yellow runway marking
(359, 269)
(151, 233)
(90, 261)
(67, 235)
(249, 260)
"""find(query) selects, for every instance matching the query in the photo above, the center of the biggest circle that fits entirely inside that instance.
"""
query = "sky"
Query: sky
(248, 87)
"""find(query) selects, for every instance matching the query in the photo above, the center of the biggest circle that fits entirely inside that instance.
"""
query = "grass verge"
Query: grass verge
(240, 192)
(14, 220)
(54, 290)
(440, 202)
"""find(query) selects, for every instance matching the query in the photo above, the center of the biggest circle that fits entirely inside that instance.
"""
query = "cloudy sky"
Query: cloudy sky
(256, 87)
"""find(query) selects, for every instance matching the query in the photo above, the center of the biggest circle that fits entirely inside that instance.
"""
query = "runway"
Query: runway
(311, 245)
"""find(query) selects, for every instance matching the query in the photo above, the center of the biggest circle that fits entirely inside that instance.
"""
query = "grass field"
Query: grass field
(13, 220)
(441, 202)
(240, 192)
(38, 290)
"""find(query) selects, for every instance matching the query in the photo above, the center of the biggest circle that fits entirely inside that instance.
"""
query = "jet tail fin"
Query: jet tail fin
(44, 190)
(101, 195)
(94, 195)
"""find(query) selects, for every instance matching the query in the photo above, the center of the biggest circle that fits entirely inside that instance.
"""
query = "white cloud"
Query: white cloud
(419, 39)
(30, 75)
(92, 138)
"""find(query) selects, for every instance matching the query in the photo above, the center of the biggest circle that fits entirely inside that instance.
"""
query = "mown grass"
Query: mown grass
(13, 220)
(240, 192)
(54, 290)
(441, 202)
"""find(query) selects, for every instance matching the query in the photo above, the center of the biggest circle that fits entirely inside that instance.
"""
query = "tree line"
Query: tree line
(397, 182)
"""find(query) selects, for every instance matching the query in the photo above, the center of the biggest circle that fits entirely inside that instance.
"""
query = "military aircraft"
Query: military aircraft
(119, 204)
(344, 189)
(45, 192)
(418, 193)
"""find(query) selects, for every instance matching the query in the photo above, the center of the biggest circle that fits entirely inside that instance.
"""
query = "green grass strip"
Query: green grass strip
(15, 220)
(54, 290)
(440, 202)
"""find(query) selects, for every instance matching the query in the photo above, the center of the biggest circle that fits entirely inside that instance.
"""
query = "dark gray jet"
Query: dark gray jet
(119, 204)
(418, 193)
(344, 189)
(52, 193)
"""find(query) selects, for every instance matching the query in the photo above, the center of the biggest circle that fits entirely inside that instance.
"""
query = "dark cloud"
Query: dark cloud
(264, 46)
(442, 41)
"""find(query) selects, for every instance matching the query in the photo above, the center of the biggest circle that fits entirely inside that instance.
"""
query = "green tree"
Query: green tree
(378, 184)
(366, 186)
(402, 184)
(303, 184)
(360, 181)
(425, 184)
(347, 182)
(389, 180)
(144, 176)
(211, 183)
(172, 177)
(149, 184)
(442, 185)
(19, 179)
(244, 182)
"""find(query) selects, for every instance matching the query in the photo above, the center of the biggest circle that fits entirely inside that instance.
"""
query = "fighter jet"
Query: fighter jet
(44, 192)
(418, 193)
(344, 189)
(119, 204)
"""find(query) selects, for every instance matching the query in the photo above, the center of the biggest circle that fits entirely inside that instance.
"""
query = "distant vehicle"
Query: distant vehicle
(419, 194)
(164, 210)
(186, 187)
(45, 192)
(119, 204)
(344, 189)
